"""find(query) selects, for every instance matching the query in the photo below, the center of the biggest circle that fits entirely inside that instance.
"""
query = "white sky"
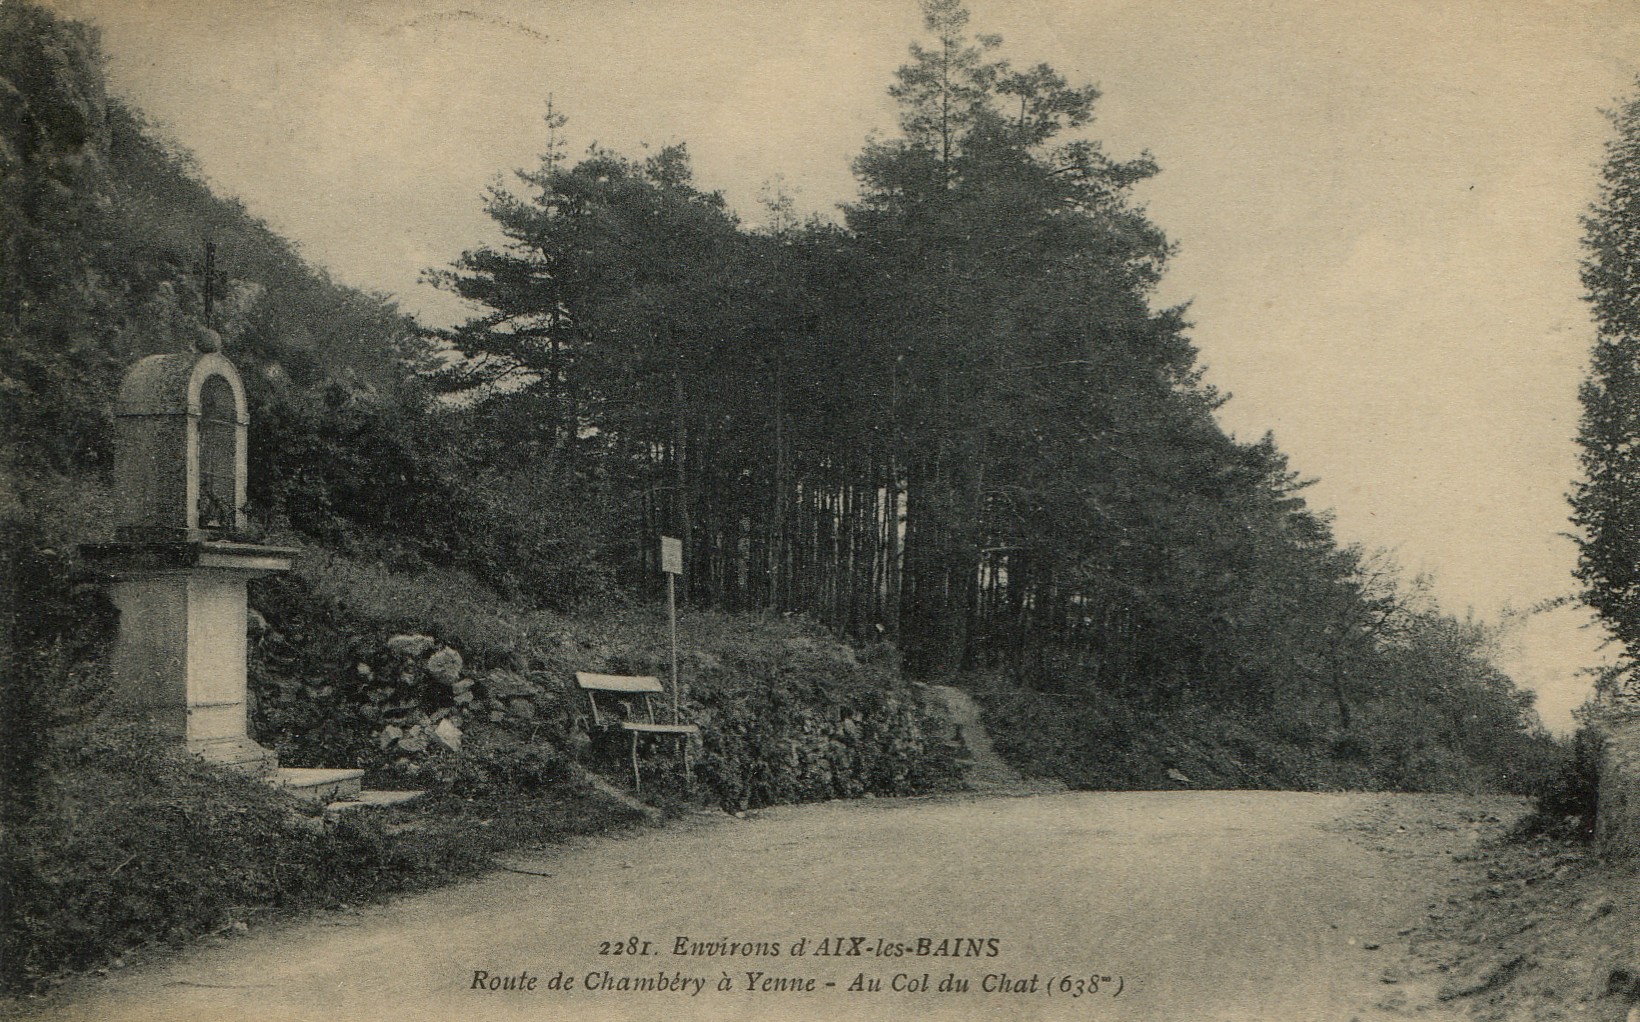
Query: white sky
(1376, 201)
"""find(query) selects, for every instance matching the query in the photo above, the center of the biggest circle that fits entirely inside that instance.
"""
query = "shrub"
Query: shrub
(791, 729)
(521, 534)
(136, 842)
(139, 842)
(1572, 795)
(788, 713)
(55, 628)
(1101, 741)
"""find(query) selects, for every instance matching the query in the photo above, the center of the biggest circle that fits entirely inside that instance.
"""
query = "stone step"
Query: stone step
(318, 785)
(371, 799)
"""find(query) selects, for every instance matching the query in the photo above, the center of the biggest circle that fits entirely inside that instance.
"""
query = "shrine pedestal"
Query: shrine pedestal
(181, 653)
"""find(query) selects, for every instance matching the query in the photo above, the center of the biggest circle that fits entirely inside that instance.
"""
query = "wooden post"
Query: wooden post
(672, 615)
(672, 564)
(637, 782)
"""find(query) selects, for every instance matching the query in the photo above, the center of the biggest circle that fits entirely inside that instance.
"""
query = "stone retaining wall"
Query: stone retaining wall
(1617, 828)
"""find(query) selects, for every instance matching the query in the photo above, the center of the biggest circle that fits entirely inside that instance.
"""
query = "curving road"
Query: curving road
(1175, 905)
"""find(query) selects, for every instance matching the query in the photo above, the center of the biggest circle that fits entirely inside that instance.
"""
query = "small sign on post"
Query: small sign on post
(671, 555)
(672, 564)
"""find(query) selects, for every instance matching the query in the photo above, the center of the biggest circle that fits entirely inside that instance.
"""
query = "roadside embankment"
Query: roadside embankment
(1617, 828)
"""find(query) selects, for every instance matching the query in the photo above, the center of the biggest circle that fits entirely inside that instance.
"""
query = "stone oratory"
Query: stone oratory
(181, 560)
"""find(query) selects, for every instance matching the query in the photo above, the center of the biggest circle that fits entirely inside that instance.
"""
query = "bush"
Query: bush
(56, 626)
(788, 713)
(521, 534)
(1100, 741)
(1570, 799)
(136, 842)
(797, 725)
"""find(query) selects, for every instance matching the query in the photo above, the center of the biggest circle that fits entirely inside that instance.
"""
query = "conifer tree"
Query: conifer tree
(1606, 502)
(1013, 274)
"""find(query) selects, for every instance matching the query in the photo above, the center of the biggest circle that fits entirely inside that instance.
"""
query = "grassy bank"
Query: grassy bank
(359, 666)
(1100, 741)
(132, 843)
(119, 841)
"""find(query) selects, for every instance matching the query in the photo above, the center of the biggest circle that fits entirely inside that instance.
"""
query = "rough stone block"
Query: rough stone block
(445, 666)
(411, 645)
(448, 734)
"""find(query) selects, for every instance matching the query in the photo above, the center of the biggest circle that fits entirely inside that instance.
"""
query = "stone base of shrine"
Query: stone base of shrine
(241, 754)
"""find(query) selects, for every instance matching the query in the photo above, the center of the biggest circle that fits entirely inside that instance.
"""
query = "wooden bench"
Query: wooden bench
(641, 688)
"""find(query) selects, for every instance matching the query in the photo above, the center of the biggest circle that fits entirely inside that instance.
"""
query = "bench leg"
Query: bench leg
(637, 782)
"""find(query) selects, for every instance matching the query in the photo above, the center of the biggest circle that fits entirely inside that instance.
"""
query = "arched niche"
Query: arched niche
(182, 431)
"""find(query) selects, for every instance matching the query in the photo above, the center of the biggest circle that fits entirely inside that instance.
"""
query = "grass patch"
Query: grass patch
(135, 844)
(1096, 741)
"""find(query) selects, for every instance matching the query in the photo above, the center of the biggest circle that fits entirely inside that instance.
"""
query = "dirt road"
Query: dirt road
(1178, 906)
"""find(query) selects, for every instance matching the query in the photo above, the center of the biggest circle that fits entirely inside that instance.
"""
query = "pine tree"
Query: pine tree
(1606, 502)
(1012, 274)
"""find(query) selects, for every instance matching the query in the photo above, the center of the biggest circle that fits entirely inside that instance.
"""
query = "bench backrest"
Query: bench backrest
(628, 684)
(618, 682)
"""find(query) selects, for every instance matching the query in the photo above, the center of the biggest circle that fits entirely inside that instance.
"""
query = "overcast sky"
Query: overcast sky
(1376, 202)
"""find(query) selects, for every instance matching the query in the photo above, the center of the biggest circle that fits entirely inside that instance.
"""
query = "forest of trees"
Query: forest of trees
(956, 420)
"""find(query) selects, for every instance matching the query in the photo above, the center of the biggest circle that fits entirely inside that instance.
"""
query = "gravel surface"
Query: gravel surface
(1088, 905)
(1543, 930)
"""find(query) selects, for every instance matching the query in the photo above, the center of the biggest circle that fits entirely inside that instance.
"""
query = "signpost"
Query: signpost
(672, 564)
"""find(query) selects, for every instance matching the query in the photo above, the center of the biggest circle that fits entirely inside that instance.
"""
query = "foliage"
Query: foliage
(56, 217)
(141, 844)
(402, 481)
(788, 713)
(953, 425)
(1096, 741)
(1606, 502)
(103, 225)
(1568, 800)
(975, 437)
(55, 628)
